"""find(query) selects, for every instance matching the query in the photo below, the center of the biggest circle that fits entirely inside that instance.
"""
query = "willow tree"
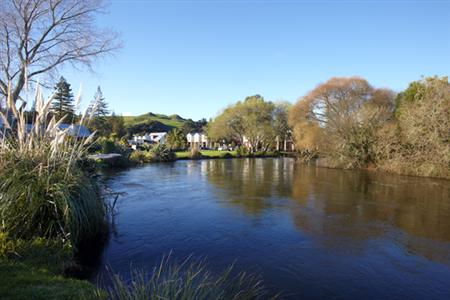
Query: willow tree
(251, 120)
(39, 36)
(340, 118)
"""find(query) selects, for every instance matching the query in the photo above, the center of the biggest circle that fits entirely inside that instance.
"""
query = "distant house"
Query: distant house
(198, 140)
(278, 144)
(148, 138)
(75, 130)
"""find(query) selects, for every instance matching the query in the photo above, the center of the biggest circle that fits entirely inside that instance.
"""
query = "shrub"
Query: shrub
(187, 280)
(227, 155)
(7, 245)
(111, 145)
(241, 151)
(195, 153)
(141, 157)
(160, 153)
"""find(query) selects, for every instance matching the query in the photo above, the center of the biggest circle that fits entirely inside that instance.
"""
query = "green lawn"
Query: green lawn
(35, 272)
(206, 153)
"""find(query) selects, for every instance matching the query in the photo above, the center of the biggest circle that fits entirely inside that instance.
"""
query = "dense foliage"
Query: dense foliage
(176, 140)
(349, 123)
(254, 120)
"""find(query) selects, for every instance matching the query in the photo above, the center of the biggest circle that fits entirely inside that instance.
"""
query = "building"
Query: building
(198, 140)
(75, 130)
(148, 138)
(278, 144)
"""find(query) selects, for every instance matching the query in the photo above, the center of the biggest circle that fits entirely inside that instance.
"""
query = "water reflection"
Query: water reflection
(341, 209)
(313, 233)
(250, 183)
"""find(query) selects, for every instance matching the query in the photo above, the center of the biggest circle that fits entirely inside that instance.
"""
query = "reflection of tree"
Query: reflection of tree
(250, 183)
(357, 206)
(341, 209)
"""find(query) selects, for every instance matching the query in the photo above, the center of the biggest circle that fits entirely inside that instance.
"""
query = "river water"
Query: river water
(312, 233)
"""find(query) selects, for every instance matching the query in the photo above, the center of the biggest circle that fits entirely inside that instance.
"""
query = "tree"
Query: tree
(194, 126)
(280, 122)
(99, 106)
(341, 117)
(63, 102)
(176, 140)
(116, 124)
(250, 120)
(38, 36)
(418, 143)
(99, 110)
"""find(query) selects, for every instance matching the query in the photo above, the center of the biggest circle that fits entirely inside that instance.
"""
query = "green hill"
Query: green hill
(172, 121)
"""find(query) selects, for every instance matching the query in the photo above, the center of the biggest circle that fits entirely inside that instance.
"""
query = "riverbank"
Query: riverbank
(39, 269)
(216, 154)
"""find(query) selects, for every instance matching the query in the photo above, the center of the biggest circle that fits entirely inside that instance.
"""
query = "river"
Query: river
(312, 233)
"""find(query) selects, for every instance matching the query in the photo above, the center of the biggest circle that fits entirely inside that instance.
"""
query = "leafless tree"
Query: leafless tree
(38, 36)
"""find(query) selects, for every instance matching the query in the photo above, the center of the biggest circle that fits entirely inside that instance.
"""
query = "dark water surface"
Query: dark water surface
(313, 233)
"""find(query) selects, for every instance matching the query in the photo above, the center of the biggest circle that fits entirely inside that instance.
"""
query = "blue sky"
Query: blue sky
(195, 57)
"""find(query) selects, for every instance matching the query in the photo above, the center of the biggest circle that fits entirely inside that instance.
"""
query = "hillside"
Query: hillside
(172, 121)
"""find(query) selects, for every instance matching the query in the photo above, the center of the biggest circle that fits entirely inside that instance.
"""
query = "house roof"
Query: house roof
(75, 130)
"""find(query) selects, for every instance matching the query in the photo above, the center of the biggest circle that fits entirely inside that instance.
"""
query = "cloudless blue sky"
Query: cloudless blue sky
(195, 57)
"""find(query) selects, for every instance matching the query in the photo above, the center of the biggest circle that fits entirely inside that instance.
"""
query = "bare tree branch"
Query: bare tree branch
(40, 36)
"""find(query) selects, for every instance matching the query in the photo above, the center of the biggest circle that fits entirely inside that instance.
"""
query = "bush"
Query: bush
(141, 157)
(160, 153)
(241, 151)
(7, 245)
(227, 155)
(41, 197)
(109, 145)
(187, 280)
(195, 153)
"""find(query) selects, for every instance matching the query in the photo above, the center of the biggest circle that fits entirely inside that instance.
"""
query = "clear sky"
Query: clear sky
(195, 57)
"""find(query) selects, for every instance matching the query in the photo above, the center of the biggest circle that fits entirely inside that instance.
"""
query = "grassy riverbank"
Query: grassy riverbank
(224, 154)
(35, 270)
(206, 154)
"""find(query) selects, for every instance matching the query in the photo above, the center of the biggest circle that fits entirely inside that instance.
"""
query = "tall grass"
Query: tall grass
(187, 280)
(44, 189)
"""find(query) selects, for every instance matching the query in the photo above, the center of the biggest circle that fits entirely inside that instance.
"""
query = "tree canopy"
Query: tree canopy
(339, 118)
(253, 120)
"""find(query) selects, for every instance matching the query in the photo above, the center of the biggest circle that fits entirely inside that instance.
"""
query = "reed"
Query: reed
(189, 279)
(44, 189)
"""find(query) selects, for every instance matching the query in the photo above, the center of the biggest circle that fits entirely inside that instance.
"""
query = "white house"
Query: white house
(198, 140)
(73, 130)
(278, 144)
(148, 138)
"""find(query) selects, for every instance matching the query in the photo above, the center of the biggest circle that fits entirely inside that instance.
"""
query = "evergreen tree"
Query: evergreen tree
(63, 102)
(99, 105)
(99, 109)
